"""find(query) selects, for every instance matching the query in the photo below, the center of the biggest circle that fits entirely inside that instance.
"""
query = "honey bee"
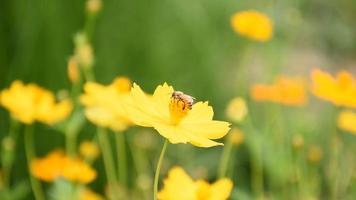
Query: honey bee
(184, 98)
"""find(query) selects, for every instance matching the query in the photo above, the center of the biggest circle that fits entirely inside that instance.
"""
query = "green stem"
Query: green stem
(106, 150)
(88, 73)
(9, 152)
(255, 143)
(224, 162)
(30, 154)
(71, 143)
(158, 169)
(121, 157)
(257, 173)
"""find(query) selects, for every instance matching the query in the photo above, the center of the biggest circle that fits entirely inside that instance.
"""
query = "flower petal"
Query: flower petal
(199, 121)
(178, 186)
(221, 189)
(210, 129)
(142, 110)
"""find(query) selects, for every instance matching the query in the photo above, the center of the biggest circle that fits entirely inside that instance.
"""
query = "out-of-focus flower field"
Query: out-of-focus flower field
(177, 100)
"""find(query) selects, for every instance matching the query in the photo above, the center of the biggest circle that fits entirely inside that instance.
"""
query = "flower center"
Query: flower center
(179, 106)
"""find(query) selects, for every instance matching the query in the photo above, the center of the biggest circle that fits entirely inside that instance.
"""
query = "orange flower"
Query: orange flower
(284, 90)
(56, 165)
(340, 90)
(49, 167)
(253, 24)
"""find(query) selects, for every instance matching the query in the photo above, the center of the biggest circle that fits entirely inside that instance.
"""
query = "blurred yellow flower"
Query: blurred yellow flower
(315, 154)
(105, 105)
(56, 165)
(347, 121)
(73, 70)
(236, 136)
(89, 150)
(29, 103)
(236, 109)
(297, 141)
(93, 6)
(84, 52)
(284, 90)
(87, 194)
(180, 186)
(77, 170)
(340, 90)
(175, 118)
(253, 24)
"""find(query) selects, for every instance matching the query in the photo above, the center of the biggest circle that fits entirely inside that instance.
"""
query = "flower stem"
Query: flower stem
(158, 169)
(257, 173)
(70, 143)
(108, 158)
(224, 162)
(8, 152)
(121, 157)
(30, 154)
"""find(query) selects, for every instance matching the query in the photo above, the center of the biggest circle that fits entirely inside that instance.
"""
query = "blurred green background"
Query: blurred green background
(187, 43)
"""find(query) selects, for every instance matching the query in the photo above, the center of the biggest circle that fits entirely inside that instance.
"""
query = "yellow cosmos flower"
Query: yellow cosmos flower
(236, 109)
(87, 194)
(29, 103)
(284, 90)
(236, 136)
(252, 24)
(89, 150)
(180, 186)
(105, 105)
(340, 90)
(56, 165)
(347, 121)
(174, 116)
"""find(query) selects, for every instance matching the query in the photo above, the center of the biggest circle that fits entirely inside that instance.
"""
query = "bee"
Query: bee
(187, 100)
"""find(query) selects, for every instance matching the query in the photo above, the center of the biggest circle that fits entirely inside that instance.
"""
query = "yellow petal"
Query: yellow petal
(201, 111)
(161, 98)
(221, 189)
(210, 129)
(142, 110)
(178, 186)
(199, 121)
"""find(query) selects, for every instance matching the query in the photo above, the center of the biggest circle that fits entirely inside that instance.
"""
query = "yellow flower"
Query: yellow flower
(284, 90)
(340, 90)
(220, 190)
(48, 168)
(84, 51)
(56, 165)
(180, 186)
(347, 121)
(77, 170)
(174, 116)
(93, 6)
(252, 24)
(87, 194)
(297, 142)
(315, 154)
(29, 103)
(236, 109)
(236, 136)
(73, 70)
(89, 150)
(105, 105)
